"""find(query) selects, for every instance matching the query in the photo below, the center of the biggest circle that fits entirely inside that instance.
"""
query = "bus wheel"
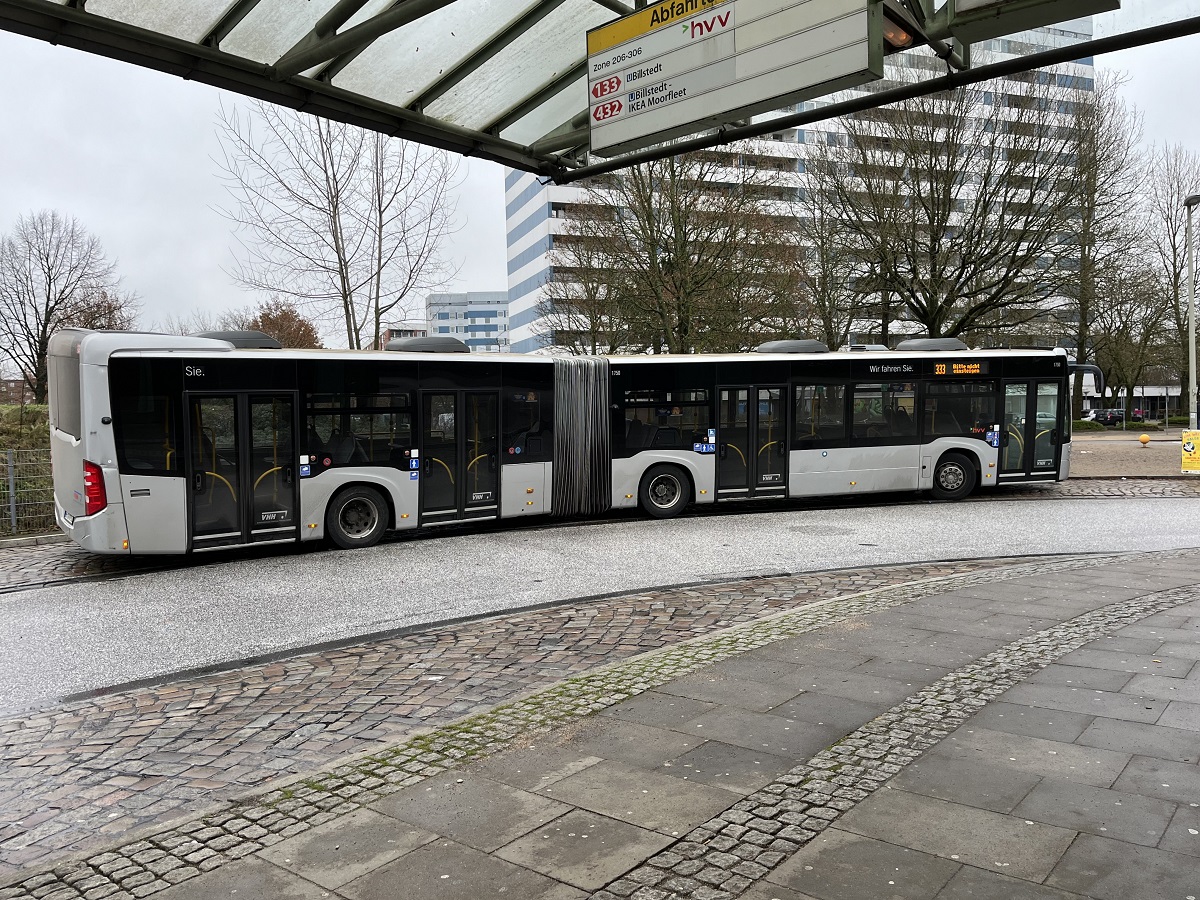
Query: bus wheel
(665, 491)
(357, 517)
(953, 477)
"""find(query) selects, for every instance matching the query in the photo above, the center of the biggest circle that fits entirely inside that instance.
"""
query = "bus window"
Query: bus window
(528, 429)
(359, 429)
(820, 412)
(667, 420)
(144, 397)
(884, 411)
(962, 409)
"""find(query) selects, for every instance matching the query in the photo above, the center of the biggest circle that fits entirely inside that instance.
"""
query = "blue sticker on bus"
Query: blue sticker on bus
(414, 464)
(705, 448)
(305, 471)
(412, 476)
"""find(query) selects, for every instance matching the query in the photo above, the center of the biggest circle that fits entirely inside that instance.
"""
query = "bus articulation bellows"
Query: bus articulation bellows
(170, 444)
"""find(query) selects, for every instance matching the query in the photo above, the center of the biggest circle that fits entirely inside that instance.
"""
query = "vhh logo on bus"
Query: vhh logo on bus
(698, 28)
(606, 87)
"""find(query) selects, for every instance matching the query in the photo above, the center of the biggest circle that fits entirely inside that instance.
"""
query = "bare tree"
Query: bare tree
(1174, 175)
(961, 201)
(347, 223)
(1109, 173)
(1128, 325)
(53, 275)
(690, 253)
(199, 321)
(831, 268)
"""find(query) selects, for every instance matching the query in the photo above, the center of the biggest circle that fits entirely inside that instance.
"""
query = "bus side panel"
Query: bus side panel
(525, 489)
(1064, 462)
(155, 513)
(983, 453)
(315, 494)
(627, 474)
(66, 461)
(853, 470)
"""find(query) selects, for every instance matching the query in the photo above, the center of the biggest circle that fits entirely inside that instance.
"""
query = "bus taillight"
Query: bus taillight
(94, 495)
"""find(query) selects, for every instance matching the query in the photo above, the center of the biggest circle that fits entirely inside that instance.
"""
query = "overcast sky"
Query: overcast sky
(129, 153)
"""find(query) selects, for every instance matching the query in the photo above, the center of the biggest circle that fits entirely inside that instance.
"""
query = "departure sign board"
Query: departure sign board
(682, 66)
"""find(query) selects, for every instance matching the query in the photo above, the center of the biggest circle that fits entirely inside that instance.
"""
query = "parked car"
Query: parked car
(1044, 420)
(1090, 415)
(1110, 416)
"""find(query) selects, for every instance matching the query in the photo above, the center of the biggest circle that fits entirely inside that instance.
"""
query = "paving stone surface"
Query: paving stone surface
(718, 846)
(80, 775)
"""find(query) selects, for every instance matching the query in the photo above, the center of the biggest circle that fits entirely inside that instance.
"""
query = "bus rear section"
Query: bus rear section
(87, 505)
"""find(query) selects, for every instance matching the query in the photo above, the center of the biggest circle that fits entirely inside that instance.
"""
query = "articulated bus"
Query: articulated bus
(170, 444)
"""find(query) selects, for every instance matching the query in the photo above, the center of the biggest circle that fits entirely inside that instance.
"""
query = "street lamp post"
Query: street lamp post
(1188, 204)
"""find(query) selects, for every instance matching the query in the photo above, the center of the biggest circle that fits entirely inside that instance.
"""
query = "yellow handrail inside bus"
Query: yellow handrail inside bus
(475, 460)
(765, 446)
(264, 475)
(444, 466)
(221, 478)
(736, 450)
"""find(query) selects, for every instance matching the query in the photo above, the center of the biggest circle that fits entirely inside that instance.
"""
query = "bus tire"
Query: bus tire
(954, 477)
(665, 491)
(356, 517)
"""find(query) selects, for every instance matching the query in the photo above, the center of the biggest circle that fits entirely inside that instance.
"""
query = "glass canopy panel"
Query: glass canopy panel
(1135, 14)
(543, 53)
(556, 111)
(273, 27)
(189, 21)
(398, 66)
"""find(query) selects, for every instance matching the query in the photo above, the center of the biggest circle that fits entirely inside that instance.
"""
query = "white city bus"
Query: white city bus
(169, 444)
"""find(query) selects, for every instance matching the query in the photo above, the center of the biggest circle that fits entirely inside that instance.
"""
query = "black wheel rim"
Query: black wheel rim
(358, 518)
(664, 491)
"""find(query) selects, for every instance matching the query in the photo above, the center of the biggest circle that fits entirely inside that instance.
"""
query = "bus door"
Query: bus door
(752, 441)
(241, 468)
(460, 455)
(1031, 430)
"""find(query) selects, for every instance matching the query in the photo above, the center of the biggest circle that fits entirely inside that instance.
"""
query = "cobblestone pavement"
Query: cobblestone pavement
(153, 732)
(78, 775)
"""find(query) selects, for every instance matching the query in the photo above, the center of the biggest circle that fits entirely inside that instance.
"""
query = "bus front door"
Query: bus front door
(241, 466)
(460, 455)
(752, 441)
(1031, 431)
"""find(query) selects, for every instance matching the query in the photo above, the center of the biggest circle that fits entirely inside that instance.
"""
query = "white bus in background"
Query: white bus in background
(168, 444)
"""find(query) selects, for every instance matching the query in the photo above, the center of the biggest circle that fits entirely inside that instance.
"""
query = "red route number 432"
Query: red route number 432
(606, 110)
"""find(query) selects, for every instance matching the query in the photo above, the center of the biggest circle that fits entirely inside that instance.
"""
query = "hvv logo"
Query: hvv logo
(698, 28)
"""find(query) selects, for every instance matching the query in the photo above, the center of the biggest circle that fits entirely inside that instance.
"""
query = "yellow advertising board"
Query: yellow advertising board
(1191, 453)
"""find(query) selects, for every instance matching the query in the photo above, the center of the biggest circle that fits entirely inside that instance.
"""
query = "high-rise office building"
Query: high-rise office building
(477, 318)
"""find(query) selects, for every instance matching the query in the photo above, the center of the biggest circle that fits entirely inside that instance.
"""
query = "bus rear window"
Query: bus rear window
(63, 371)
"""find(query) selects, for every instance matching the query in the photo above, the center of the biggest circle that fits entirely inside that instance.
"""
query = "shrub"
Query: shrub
(1080, 425)
(24, 427)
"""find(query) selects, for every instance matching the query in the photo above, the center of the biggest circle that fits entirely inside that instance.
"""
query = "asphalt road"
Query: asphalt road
(88, 635)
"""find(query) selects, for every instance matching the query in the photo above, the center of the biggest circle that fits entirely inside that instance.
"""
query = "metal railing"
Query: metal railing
(26, 492)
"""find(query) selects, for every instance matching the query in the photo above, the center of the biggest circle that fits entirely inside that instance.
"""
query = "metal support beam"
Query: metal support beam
(314, 51)
(728, 135)
(487, 52)
(621, 9)
(228, 21)
(533, 101)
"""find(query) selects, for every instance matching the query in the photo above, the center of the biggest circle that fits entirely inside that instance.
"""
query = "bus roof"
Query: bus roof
(95, 347)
